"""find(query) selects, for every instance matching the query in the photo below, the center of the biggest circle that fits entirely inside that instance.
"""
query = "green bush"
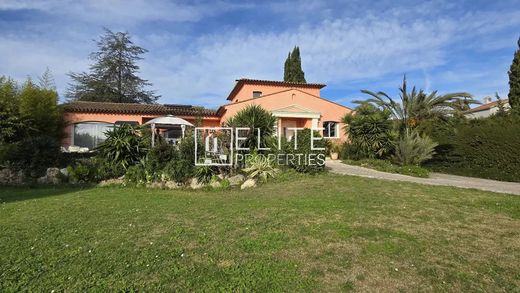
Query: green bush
(33, 155)
(413, 149)
(93, 170)
(204, 173)
(369, 131)
(160, 155)
(304, 151)
(179, 170)
(487, 148)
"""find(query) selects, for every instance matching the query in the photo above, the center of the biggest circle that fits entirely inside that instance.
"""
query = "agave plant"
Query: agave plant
(413, 149)
(417, 105)
(260, 167)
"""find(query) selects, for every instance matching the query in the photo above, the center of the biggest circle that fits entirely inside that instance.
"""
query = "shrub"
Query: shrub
(260, 167)
(369, 131)
(138, 174)
(413, 149)
(94, 170)
(304, 151)
(487, 148)
(204, 173)
(33, 154)
(123, 146)
(160, 155)
(179, 170)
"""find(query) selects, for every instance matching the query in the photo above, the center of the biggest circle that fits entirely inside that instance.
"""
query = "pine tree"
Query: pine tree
(113, 75)
(293, 67)
(514, 80)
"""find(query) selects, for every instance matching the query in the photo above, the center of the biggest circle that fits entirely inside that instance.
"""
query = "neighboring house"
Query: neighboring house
(294, 104)
(487, 109)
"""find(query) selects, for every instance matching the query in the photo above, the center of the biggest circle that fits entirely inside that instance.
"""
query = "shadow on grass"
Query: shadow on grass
(20, 193)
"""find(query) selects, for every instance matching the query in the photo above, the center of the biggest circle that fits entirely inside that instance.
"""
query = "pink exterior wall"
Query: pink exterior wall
(329, 111)
(246, 92)
(72, 118)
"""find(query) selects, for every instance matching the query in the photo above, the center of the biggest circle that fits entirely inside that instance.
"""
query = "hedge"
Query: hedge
(486, 148)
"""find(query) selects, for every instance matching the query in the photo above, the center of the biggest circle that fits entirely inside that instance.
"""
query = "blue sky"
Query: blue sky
(198, 48)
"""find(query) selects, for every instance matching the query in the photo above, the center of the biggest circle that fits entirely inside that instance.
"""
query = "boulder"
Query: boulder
(248, 184)
(109, 182)
(215, 184)
(53, 175)
(195, 184)
(5, 176)
(236, 180)
(172, 185)
(155, 184)
(64, 172)
(42, 180)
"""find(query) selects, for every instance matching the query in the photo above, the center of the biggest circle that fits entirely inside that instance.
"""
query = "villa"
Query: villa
(296, 105)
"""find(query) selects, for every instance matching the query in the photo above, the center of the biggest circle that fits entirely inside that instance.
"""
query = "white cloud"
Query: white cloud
(337, 50)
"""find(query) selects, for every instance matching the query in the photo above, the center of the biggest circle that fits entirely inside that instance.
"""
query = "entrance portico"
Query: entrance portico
(295, 116)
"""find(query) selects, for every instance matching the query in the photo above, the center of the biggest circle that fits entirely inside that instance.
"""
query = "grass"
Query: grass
(306, 233)
(386, 166)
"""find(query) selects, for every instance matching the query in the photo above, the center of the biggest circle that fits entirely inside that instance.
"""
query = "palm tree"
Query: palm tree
(417, 106)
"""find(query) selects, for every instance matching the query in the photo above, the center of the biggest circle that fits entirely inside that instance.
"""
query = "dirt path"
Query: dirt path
(434, 179)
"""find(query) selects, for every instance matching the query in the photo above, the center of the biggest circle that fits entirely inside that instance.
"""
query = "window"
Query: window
(330, 129)
(90, 134)
(257, 94)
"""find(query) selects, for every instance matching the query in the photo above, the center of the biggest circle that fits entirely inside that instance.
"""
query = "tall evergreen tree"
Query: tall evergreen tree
(287, 72)
(293, 67)
(113, 75)
(514, 80)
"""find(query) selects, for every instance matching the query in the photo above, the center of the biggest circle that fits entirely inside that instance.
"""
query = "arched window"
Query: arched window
(330, 129)
(90, 134)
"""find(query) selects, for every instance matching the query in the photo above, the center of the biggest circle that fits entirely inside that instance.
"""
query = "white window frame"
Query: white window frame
(73, 132)
(336, 129)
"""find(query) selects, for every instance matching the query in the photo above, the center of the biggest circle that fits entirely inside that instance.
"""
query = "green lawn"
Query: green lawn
(304, 233)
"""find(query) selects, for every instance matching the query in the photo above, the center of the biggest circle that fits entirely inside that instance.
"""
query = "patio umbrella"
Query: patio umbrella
(166, 122)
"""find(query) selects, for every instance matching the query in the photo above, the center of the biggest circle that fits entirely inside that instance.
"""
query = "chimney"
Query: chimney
(487, 100)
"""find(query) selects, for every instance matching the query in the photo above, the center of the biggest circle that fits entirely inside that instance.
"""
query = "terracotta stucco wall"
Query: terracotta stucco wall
(72, 118)
(246, 92)
(329, 111)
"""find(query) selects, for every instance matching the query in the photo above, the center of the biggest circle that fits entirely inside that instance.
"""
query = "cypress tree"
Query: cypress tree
(299, 75)
(514, 80)
(293, 67)
(287, 73)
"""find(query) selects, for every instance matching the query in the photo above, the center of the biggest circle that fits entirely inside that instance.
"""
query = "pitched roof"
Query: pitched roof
(240, 83)
(486, 106)
(143, 109)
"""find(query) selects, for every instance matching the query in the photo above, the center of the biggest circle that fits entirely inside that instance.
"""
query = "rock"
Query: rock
(53, 175)
(110, 182)
(195, 184)
(215, 184)
(155, 185)
(172, 185)
(248, 184)
(83, 150)
(221, 176)
(64, 172)
(236, 180)
(42, 180)
(5, 175)
(19, 178)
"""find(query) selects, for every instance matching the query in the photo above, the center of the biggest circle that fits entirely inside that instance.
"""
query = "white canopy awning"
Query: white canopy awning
(167, 121)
